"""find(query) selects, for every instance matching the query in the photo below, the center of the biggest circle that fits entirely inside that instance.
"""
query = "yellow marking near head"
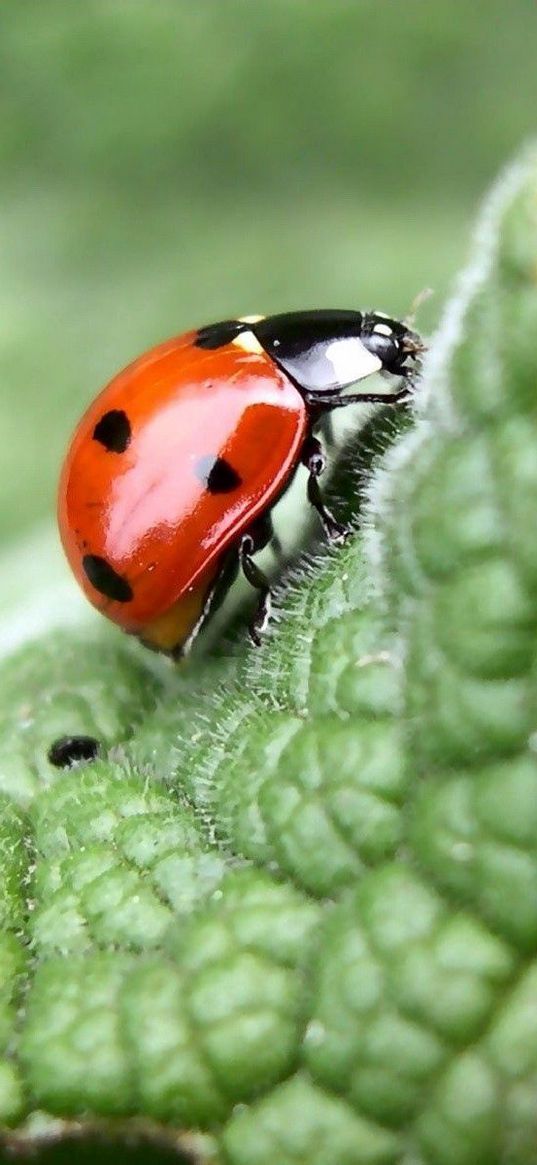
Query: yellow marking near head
(246, 340)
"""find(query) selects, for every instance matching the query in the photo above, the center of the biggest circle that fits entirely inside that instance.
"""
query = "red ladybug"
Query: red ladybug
(171, 475)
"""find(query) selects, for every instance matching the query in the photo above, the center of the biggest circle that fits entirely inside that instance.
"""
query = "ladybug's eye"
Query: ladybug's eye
(320, 351)
(384, 345)
(384, 338)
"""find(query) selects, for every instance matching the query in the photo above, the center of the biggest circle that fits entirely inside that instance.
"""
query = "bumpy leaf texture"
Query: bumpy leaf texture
(292, 914)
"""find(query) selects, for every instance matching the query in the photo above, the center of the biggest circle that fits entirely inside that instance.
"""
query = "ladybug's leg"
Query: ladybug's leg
(360, 398)
(263, 534)
(314, 460)
(257, 579)
(332, 401)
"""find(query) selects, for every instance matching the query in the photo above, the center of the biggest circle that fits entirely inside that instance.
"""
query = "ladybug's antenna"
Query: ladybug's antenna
(410, 320)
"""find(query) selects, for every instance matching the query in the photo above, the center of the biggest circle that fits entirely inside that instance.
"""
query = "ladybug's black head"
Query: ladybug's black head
(324, 352)
(390, 341)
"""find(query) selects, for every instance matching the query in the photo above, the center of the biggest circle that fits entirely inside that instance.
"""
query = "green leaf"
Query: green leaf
(294, 905)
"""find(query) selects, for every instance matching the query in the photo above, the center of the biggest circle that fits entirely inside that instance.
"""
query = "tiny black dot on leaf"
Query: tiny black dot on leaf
(71, 750)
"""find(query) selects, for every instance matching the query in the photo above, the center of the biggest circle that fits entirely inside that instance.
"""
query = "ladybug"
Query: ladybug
(169, 481)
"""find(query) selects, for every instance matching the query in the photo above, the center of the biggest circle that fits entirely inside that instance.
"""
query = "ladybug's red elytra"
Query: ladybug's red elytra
(169, 481)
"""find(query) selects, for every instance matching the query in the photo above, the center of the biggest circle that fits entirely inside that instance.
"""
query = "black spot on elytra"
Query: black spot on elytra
(217, 475)
(217, 335)
(105, 579)
(113, 431)
(69, 750)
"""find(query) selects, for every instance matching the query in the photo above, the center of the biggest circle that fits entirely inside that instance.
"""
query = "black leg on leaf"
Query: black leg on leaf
(400, 396)
(314, 460)
(262, 534)
(260, 582)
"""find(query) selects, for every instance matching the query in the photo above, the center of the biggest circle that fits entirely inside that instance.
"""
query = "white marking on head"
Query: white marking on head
(351, 360)
(383, 330)
(250, 319)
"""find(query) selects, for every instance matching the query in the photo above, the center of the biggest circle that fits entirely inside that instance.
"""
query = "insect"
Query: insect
(70, 750)
(169, 481)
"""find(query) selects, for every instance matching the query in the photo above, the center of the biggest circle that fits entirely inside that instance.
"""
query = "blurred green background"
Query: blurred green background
(166, 163)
